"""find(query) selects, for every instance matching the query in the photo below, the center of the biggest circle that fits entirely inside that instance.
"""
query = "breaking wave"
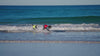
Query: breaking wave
(55, 28)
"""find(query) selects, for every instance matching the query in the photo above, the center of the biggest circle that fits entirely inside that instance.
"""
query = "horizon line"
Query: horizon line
(50, 5)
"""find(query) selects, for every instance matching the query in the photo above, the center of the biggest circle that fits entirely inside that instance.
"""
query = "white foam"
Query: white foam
(75, 27)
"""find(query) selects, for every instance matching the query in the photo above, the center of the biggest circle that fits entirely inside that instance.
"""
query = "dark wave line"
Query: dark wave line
(55, 18)
(81, 19)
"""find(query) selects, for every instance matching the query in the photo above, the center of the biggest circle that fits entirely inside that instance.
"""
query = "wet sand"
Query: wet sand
(16, 41)
(48, 48)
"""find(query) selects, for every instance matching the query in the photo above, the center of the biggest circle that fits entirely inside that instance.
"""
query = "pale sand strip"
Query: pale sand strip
(8, 41)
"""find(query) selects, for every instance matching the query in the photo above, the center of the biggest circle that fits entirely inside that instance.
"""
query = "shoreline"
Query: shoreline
(37, 41)
(14, 31)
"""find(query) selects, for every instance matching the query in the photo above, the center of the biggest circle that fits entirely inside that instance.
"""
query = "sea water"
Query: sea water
(50, 14)
(78, 18)
(69, 23)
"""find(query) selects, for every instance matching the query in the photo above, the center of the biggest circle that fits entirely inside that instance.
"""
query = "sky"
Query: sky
(49, 2)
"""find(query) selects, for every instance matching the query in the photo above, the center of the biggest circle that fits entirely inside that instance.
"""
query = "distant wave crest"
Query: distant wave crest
(53, 20)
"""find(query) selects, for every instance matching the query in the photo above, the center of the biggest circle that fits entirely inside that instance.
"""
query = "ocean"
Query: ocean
(50, 14)
(64, 19)
(75, 30)
(68, 17)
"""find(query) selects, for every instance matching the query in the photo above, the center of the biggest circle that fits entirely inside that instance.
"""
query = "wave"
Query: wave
(55, 28)
(53, 20)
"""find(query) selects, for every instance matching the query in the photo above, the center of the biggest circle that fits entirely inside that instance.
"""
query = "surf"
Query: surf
(55, 28)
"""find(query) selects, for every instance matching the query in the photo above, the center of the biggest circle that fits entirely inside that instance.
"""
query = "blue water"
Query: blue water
(21, 17)
(80, 14)
(51, 36)
(49, 14)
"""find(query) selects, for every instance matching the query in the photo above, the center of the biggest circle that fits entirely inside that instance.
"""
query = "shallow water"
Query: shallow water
(55, 36)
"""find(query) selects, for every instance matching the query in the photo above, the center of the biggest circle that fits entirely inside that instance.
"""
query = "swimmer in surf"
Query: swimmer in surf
(34, 27)
(46, 27)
